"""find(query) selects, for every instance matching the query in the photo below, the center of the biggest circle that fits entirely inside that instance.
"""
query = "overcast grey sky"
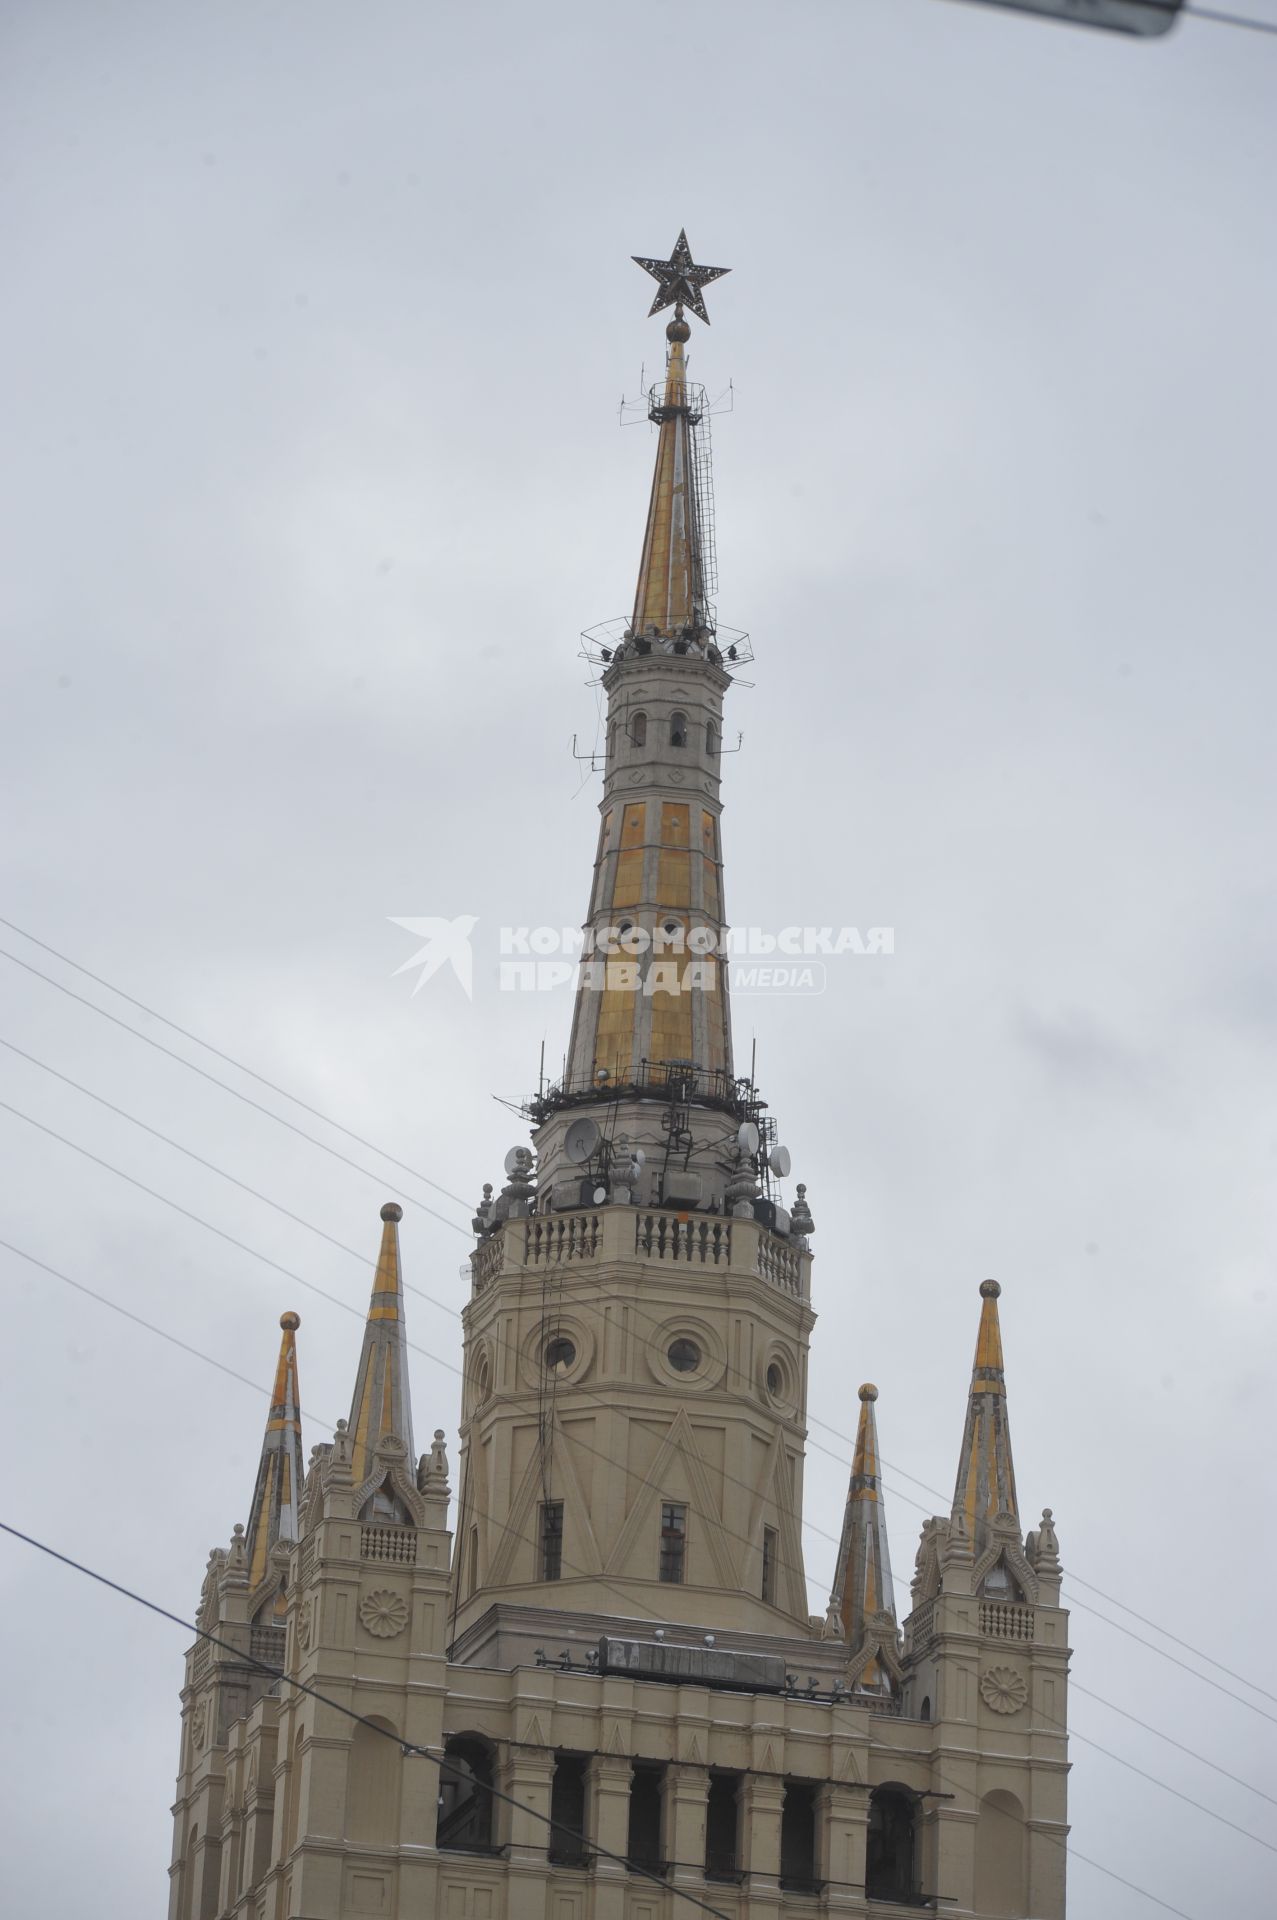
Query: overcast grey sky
(316, 321)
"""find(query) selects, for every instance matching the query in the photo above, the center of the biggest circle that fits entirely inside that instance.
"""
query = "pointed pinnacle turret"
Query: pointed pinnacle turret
(986, 1474)
(277, 1495)
(381, 1403)
(862, 1577)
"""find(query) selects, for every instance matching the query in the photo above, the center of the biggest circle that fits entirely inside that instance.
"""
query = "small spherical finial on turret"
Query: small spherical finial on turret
(869, 1391)
(392, 1211)
(290, 1322)
(989, 1289)
(678, 330)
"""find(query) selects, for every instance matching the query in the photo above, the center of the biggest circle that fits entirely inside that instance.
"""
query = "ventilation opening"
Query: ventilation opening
(643, 1844)
(722, 1828)
(567, 1810)
(890, 1853)
(798, 1838)
(465, 1795)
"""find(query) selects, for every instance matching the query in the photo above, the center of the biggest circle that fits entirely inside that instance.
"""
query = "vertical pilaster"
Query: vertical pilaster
(762, 1799)
(686, 1790)
(842, 1819)
(608, 1784)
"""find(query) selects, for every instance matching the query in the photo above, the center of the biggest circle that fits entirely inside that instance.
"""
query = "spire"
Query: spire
(862, 1578)
(280, 1472)
(672, 594)
(382, 1404)
(986, 1476)
(671, 597)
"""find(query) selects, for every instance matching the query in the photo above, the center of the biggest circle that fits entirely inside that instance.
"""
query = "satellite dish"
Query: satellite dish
(638, 1158)
(600, 1195)
(747, 1137)
(581, 1139)
(779, 1162)
(513, 1158)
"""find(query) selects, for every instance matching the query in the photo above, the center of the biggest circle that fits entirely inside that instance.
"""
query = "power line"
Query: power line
(443, 1306)
(808, 1525)
(218, 1053)
(527, 1540)
(1230, 19)
(235, 1092)
(407, 1748)
(283, 1092)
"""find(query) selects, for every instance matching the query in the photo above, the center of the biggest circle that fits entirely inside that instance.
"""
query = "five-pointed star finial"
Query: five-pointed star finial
(680, 280)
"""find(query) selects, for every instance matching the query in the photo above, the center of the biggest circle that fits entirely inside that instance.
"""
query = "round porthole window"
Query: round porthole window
(684, 1356)
(775, 1381)
(559, 1354)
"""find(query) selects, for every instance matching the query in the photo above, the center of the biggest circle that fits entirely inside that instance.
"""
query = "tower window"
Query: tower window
(684, 1356)
(722, 1827)
(559, 1354)
(770, 1543)
(889, 1855)
(465, 1795)
(678, 729)
(638, 730)
(567, 1810)
(552, 1540)
(673, 1544)
(775, 1381)
(711, 738)
(798, 1838)
(643, 1844)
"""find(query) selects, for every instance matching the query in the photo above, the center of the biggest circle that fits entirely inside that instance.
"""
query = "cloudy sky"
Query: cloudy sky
(316, 324)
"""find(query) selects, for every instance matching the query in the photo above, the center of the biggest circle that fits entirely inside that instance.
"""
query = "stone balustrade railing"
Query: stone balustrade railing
(660, 1235)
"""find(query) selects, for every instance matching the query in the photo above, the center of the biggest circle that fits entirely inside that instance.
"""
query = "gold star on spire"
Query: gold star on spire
(680, 280)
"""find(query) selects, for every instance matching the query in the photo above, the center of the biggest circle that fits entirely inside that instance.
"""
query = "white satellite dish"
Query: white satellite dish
(513, 1158)
(779, 1162)
(638, 1158)
(747, 1137)
(600, 1195)
(581, 1139)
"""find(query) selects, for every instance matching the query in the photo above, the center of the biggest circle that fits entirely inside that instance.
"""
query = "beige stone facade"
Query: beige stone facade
(590, 1686)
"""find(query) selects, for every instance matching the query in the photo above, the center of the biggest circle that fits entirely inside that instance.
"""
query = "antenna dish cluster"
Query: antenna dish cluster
(581, 1140)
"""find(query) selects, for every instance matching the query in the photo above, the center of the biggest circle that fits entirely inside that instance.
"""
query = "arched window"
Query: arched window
(999, 1583)
(891, 1848)
(678, 729)
(1000, 1880)
(711, 738)
(385, 1509)
(465, 1795)
(375, 1778)
(472, 1562)
(638, 730)
(924, 1712)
